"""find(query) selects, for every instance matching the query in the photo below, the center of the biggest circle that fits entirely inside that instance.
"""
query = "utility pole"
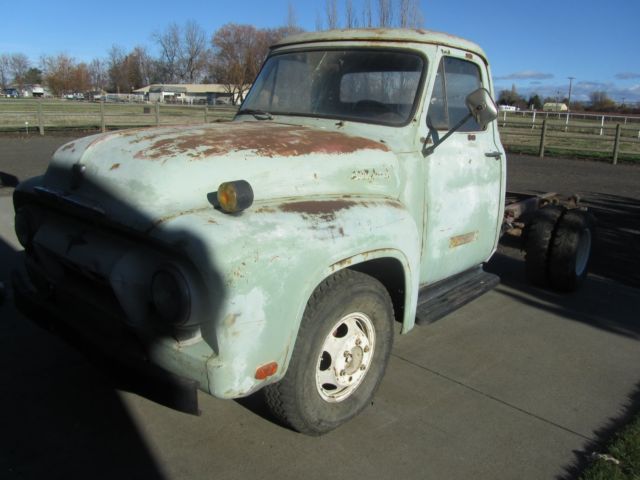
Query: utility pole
(571, 79)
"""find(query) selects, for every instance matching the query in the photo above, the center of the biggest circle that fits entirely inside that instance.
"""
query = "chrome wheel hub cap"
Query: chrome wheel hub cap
(345, 357)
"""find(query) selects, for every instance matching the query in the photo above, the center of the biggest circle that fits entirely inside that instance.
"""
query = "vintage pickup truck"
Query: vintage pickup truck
(360, 186)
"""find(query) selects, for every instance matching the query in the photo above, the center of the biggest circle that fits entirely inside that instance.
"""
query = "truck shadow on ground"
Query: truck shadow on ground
(62, 413)
(599, 303)
(616, 256)
(617, 253)
(61, 417)
(602, 302)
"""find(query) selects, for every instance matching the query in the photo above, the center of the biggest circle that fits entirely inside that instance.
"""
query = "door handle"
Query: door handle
(495, 155)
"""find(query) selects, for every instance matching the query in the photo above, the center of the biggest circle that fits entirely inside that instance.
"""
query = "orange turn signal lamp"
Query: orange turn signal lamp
(233, 197)
(266, 370)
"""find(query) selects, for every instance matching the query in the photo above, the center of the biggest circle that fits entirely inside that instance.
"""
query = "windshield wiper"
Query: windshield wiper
(258, 114)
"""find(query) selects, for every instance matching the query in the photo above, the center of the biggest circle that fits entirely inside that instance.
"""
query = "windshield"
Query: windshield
(375, 86)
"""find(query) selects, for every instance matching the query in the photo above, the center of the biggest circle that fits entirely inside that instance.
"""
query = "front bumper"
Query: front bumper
(111, 346)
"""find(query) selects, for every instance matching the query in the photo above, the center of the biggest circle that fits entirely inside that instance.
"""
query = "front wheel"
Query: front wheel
(340, 355)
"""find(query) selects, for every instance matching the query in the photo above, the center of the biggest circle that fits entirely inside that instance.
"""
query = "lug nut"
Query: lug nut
(362, 367)
(342, 373)
(366, 349)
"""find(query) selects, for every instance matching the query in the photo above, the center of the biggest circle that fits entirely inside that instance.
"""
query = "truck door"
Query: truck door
(464, 175)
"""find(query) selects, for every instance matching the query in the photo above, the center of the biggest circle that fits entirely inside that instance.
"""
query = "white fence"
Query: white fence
(595, 123)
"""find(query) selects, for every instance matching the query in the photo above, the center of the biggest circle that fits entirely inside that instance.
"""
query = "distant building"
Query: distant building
(555, 107)
(201, 93)
(31, 90)
(508, 108)
(37, 91)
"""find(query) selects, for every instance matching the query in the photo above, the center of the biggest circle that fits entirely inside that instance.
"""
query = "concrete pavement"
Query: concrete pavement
(516, 384)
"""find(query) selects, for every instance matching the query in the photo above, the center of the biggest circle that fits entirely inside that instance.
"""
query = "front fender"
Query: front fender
(270, 260)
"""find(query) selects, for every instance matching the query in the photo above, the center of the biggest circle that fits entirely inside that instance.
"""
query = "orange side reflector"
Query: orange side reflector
(266, 370)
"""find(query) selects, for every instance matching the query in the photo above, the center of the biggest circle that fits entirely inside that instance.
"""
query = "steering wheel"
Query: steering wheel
(372, 106)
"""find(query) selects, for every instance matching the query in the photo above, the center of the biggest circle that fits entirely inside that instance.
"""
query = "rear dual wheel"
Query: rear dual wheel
(558, 245)
(340, 355)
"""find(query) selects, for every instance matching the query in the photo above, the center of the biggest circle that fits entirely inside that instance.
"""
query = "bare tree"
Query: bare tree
(5, 70)
(349, 15)
(385, 17)
(97, 74)
(169, 43)
(410, 15)
(367, 14)
(144, 64)
(390, 13)
(80, 78)
(238, 54)
(19, 64)
(115, 69)
(183, 52)
(403, 6)
(193, 52)
(234, 66)
(319, 25)
(292, 21)
(331, 8)
(59, 73)
(600, 101)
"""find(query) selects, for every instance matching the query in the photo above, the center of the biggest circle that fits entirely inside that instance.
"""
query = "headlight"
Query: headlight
(170, 296)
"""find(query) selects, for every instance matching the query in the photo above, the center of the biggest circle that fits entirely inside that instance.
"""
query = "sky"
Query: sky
(533, 45)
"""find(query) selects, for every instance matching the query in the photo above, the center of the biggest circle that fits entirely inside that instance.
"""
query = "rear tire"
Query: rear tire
(340, 355)
(571, 250)
(538, 236)
(558, 245)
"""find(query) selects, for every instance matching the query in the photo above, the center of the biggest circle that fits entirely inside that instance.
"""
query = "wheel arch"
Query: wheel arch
(391, 274)
(392, 269)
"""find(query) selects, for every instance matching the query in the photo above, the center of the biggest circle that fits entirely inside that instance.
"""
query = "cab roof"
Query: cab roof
(400, 35)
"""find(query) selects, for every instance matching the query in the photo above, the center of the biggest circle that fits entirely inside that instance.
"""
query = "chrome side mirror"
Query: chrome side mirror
(482, 107)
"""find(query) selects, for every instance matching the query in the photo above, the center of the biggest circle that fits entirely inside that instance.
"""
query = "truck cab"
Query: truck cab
(362, 179)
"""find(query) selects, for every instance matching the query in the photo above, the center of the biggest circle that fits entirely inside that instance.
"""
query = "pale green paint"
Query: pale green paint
(251, 274)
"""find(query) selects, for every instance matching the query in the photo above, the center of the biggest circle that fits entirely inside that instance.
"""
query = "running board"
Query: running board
(440, 299)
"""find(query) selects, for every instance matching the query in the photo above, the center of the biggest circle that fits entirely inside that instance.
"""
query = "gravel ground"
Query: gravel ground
(612, 192)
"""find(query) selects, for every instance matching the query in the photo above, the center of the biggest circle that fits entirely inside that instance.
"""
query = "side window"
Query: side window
(455, 79)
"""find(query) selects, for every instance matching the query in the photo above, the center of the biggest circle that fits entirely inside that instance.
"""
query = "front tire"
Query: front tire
(340, 355)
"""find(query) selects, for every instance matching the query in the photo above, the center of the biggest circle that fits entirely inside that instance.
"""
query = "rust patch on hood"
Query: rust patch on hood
(317, 207)
(265, 140)
(115, 166)
(324, 209)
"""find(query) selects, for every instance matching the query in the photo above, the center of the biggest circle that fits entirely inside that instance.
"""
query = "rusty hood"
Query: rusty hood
(144, 176)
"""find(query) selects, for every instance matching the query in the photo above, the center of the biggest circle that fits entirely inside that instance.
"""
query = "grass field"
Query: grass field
(622, 460)
(580, 136)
